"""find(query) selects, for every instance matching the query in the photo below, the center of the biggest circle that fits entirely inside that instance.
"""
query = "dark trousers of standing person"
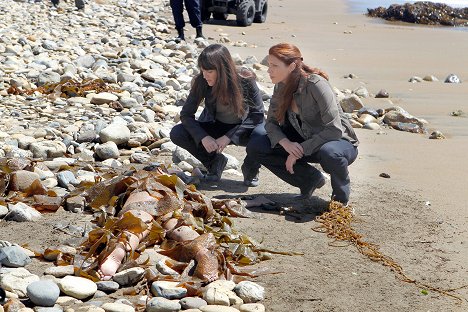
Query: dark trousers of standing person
(193, 10)
(181, 137)
(333, 156)
(78, 3)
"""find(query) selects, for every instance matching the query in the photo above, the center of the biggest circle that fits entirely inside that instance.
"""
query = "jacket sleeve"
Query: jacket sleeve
(255, 112)
(187, 117)
(272, 127)
(331, 128)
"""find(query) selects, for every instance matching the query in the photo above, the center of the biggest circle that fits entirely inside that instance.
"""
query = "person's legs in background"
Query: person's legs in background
(177, 7)
(194, 13)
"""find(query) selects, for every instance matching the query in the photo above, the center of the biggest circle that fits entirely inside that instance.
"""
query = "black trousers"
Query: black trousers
(181, 137)
(193, 10)
(333, 156)
(79, 3)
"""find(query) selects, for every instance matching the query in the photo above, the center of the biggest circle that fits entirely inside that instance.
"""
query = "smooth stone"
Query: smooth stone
(21, 212)
(43, 293)
(119, 134)
(159, 304)
(430, 78)
(415, 79)
(108, 286)
(89, 308)
(452, 78)
(252, 307)
(168, 290)
(48, 149)
(75, 203)
(218, 308)
(372, 126)
(17, 280)
(129, 277)
(60, 271)
(77, 287)
(20, 180)
(192, 303)
(65, 178)
(437, 135)
(361, 92)
(214, 296)
(3, 211)
(351, 103)
(229, 285)
(55, 308)
(13, 256)
(366, 118)
(117, 307)
(107, 150)
(250, 292)
(382, 94)
(103, 98)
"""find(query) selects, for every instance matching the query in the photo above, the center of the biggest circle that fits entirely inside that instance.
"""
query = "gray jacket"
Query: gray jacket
(253, 116)
(322, 117)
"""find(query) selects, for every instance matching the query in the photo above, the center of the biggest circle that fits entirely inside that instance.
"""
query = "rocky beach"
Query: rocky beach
(90, 96)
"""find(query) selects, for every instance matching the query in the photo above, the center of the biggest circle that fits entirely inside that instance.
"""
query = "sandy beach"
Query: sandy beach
(418, 216)
(427, 188)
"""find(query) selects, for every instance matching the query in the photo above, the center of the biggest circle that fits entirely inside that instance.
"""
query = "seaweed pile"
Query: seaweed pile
(423, 12)
(337, 224)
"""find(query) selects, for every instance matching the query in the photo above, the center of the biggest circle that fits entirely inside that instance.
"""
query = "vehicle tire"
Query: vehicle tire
(220, 16)
(245, 13)
(205, 14)
(260, 17)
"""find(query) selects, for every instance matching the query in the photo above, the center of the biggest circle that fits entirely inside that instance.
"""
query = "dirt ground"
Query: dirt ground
(325, 278)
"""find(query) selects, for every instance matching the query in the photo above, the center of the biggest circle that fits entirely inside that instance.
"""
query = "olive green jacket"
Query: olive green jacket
(322, 117)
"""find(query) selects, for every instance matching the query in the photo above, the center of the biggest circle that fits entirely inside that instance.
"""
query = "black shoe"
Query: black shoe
(199, 32)
(79, 4)
(180, 35)
(250, 179)
(307, 195)
(2, 295)
(252, 182)
(216, 169)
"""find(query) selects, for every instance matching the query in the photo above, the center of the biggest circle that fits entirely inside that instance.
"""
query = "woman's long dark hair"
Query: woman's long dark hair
(288, 54)
(227, 89)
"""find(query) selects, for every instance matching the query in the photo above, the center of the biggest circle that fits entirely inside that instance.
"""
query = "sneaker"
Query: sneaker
(308, 194)
(248, 179)
(252, 182)
(216, 169)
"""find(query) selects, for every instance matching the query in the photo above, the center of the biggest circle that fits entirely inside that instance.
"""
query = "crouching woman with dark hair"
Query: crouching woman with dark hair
(233, 114)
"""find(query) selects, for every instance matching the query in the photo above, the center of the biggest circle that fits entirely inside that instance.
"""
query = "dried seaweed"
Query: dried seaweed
(67, 88)
(337, 224)
(166, 196)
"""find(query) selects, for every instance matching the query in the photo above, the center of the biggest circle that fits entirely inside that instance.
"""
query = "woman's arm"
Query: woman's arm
(272, 127)
(255, 110)
(187, 117)
(332, 130)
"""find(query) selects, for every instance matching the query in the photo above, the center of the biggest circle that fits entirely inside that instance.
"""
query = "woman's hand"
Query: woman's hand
(290, 162)
(222, 143)
(293, 148)
(209, 144)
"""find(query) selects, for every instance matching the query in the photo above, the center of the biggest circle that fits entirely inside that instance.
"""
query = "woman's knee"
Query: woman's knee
(259, 144)
(179, 134)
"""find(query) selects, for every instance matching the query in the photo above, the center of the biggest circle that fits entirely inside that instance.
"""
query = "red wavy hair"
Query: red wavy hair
(288, 53)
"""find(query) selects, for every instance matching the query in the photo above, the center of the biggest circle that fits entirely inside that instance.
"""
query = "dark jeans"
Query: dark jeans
(79, 3)
(193, 10)
(181, 137)
(333, 156)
